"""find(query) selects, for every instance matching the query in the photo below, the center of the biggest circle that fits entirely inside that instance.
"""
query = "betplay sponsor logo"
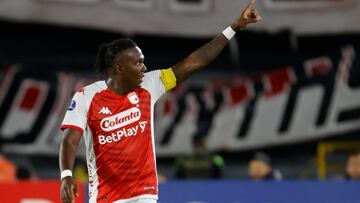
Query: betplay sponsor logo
(124, 132)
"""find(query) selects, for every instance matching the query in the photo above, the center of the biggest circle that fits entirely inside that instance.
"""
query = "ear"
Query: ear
(118, 68)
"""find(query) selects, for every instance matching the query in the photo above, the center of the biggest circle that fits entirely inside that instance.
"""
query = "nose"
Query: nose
(144, 68)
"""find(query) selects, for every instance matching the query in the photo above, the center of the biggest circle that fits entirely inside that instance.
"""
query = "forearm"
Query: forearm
(200, 58)
(208, 52)
(67, 155)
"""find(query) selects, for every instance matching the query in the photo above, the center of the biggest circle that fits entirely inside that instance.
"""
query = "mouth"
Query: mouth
(141, 77)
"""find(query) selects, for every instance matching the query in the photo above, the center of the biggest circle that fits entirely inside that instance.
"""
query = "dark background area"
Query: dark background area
(42, 47)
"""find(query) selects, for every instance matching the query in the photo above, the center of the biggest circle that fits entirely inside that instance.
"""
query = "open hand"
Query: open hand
(249, 15)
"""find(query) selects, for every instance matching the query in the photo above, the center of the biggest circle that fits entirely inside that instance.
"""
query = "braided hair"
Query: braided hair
(107, 54)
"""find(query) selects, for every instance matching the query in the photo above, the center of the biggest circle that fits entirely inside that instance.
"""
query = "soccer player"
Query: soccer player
(115, 118)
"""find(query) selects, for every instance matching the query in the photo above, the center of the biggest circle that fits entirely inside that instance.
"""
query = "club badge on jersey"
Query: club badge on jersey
(133, 98)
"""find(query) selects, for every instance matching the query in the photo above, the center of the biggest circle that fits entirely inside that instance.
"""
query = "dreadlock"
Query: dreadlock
(107, 54)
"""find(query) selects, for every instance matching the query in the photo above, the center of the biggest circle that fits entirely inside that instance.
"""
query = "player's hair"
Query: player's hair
(107, 54)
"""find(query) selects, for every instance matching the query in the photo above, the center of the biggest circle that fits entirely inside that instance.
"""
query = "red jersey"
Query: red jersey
(118, 131)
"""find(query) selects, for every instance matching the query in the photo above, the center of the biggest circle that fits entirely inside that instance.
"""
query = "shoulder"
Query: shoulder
(92, 88)
(151, 79)
(152, 74)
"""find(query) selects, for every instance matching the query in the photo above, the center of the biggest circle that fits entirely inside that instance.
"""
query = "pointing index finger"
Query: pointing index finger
(250, 4)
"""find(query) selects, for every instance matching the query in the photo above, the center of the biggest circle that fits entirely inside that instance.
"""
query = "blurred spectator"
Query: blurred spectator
(201, 164)
(353, 167)
(7, 170)
(260, 168)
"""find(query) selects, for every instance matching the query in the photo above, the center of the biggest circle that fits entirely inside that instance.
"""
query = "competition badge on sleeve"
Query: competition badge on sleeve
(72, 105)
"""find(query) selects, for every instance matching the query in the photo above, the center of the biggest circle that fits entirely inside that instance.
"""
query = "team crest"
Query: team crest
(133, 98)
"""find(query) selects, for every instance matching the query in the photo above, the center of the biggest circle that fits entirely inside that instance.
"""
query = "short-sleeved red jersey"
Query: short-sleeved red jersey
(119, 137)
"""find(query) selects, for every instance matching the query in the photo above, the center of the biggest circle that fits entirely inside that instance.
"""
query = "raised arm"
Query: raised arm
(200, 58)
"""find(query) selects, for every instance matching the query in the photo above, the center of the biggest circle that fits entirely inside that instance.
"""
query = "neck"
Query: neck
(117, 87)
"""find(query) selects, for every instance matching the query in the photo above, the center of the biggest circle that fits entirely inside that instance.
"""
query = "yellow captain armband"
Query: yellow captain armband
(168, 78)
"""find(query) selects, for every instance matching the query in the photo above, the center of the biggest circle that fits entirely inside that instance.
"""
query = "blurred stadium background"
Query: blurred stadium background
(288, 86)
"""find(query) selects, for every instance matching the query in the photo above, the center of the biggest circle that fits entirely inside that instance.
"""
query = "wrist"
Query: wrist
(229, 32)
(65, 173)
(238, 27)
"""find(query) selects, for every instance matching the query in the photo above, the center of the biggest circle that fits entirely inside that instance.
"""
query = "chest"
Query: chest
(108, 113)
